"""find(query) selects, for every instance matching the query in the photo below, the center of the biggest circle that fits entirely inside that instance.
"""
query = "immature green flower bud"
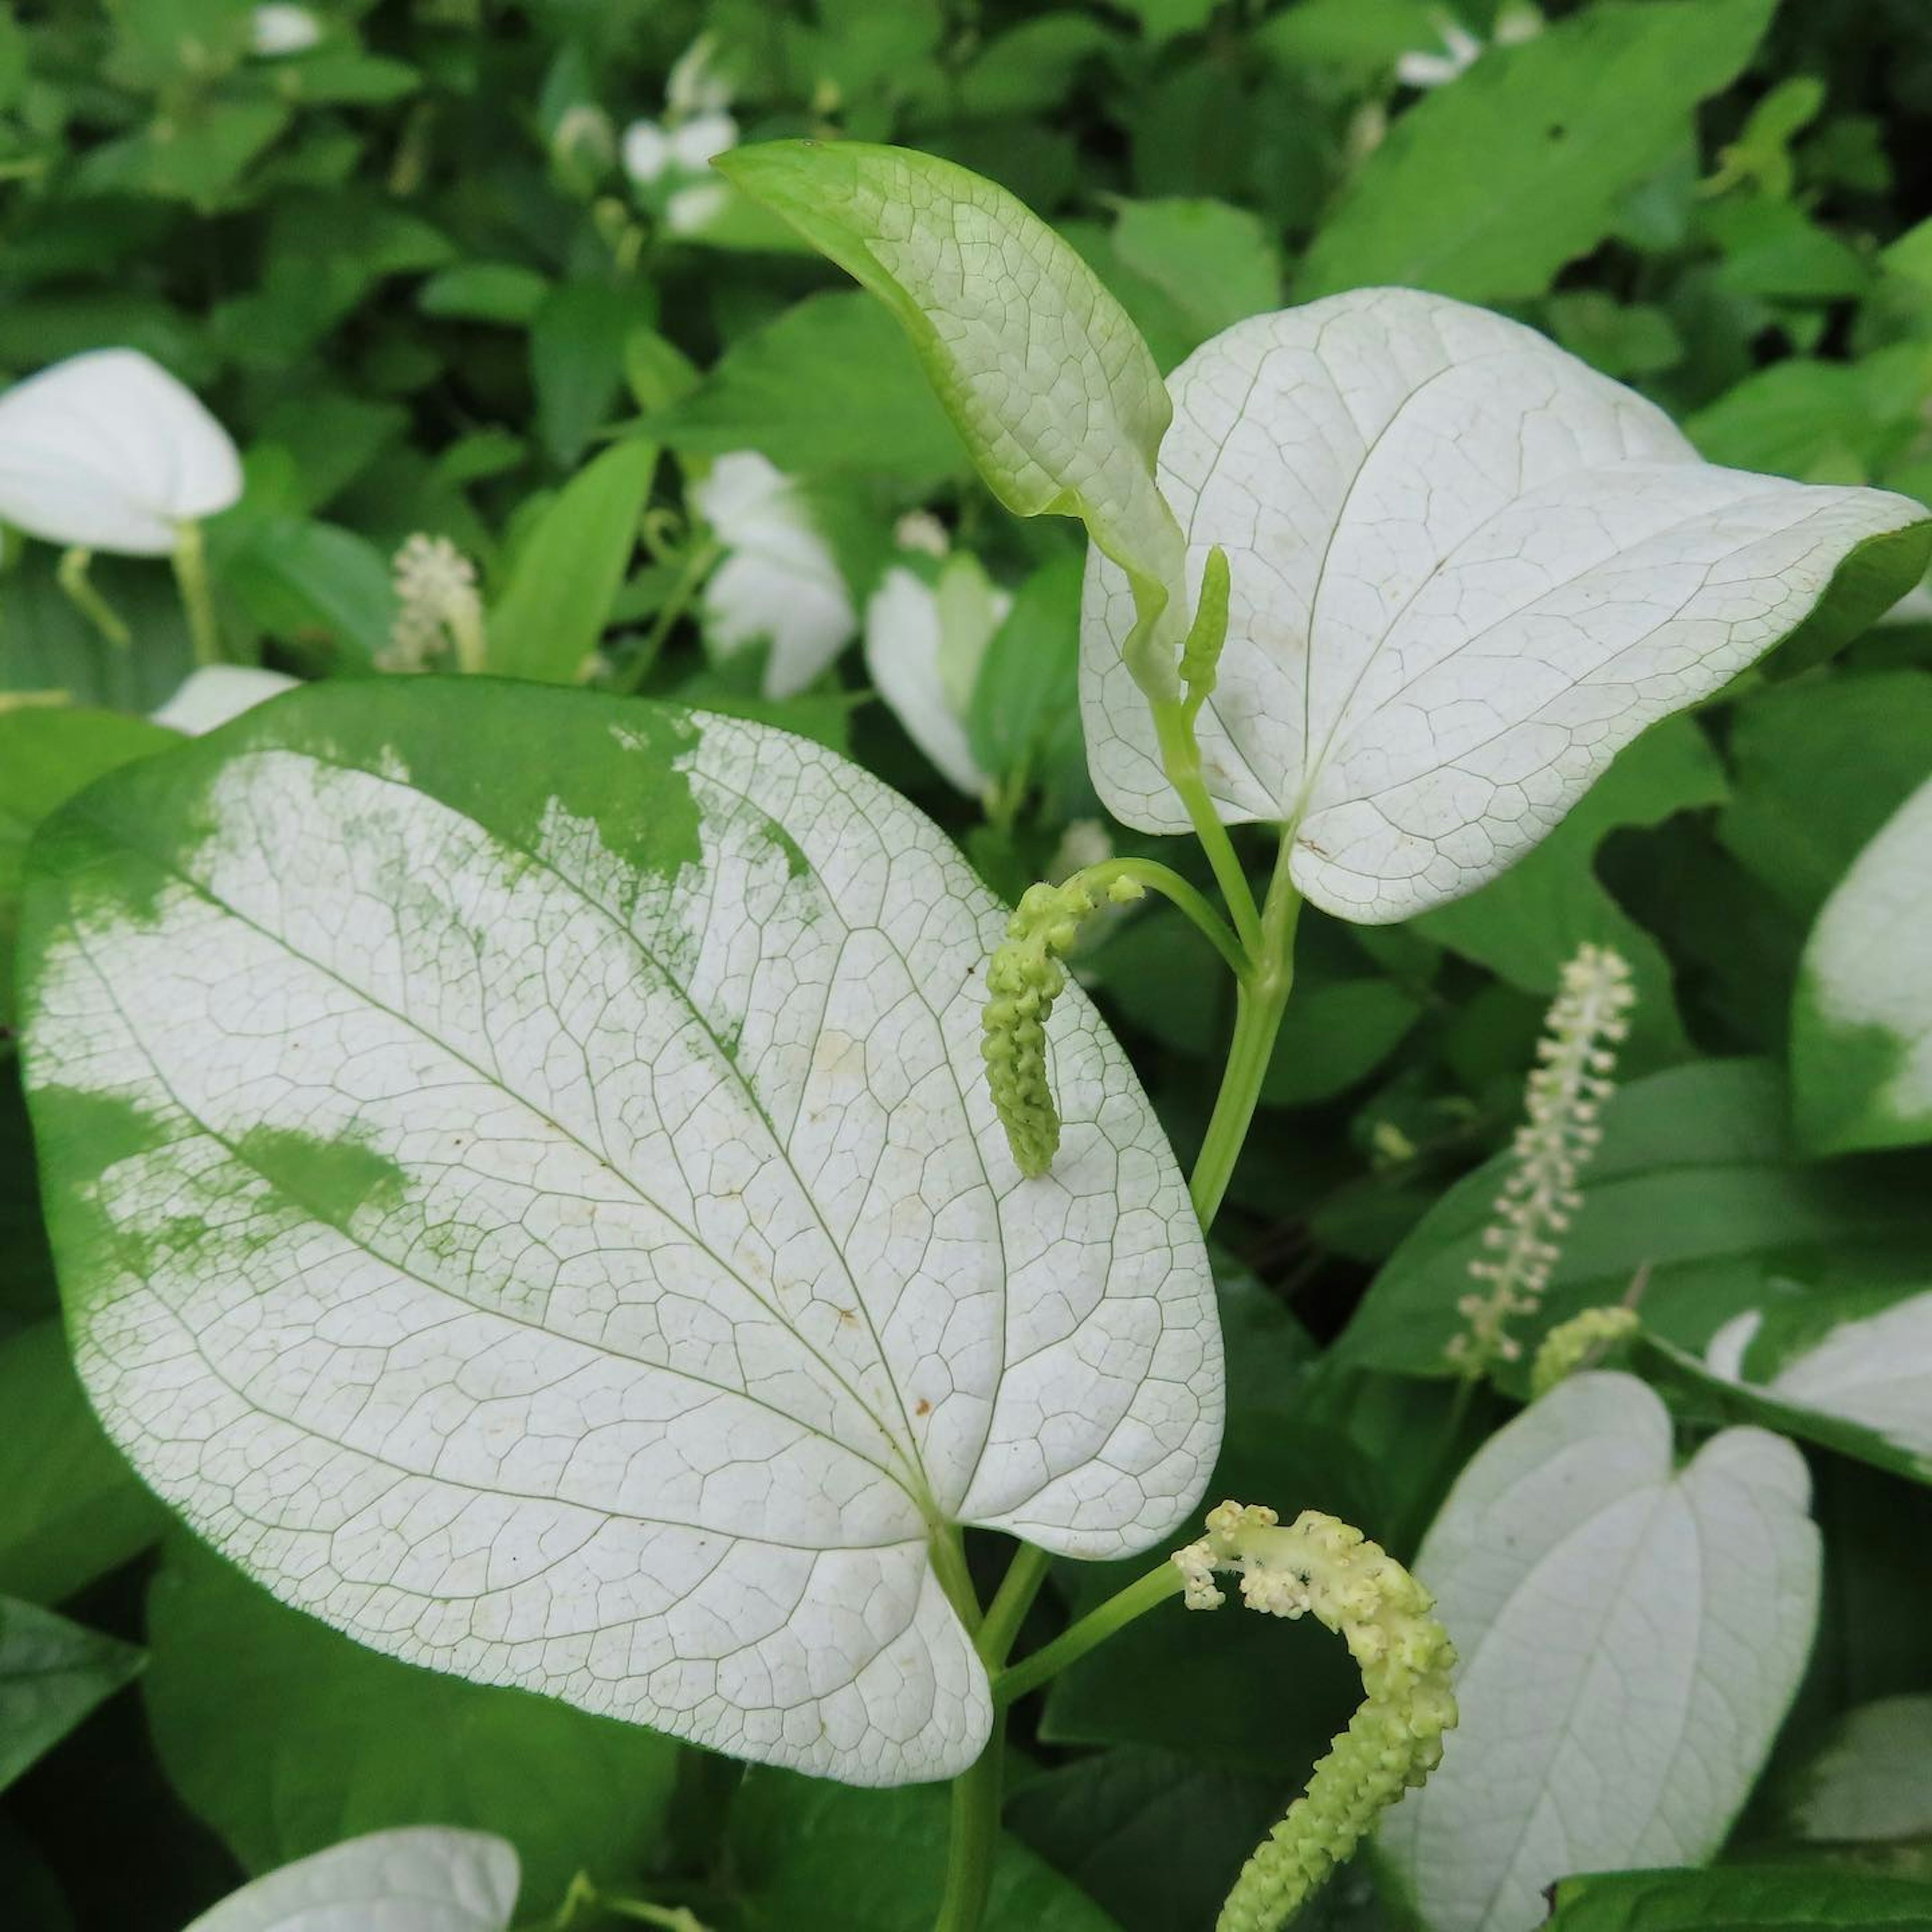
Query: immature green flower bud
(1322, 1565)
(1565, 1348)
(1023, 978)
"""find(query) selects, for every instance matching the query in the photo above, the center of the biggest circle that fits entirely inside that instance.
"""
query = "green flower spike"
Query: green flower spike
(1322, 1565)
(1570, 1344)
(1023, 978)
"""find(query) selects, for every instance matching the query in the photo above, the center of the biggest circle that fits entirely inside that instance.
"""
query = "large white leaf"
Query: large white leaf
(1631, 1634)
(426, 1878)
(542, 1213)
(1861, 1025)
(1467, 569)
(107, 451)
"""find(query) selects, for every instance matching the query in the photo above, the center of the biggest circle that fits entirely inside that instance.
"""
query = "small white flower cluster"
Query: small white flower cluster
(1461, 50)
(435, 586)
(670, 160)
(1575, 1058)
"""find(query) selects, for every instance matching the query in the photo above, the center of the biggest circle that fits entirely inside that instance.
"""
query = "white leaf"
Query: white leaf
(1876, 1371)
(573, 1246)
(924, 665)
(1631, 1634)
(216, 693)
(1467, 569)
(107, 452)
(425, 1878)
(779, 583)
(1862, 1025)
(1872, 1781)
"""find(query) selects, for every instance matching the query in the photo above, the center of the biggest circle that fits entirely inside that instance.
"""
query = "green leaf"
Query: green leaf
(1025, 710)
(1630, 1635)
(811, 1857)
(1526, 924)
(828, 386)
(1333, 1036)
(1792, 819)
(70, 1508)
(1059, 400)
(1696, 1184)
(287, 1738)
(313, 582)
(52, 1674)
(1861, 1020)
(577, 360)
(1487, 187)
(47, 753)
(567, 571)
(1218, 265)
(500, 292)
(1743, 1898)
(562, 1187)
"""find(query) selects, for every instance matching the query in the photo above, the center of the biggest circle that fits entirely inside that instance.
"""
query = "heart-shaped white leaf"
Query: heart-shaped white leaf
(1631, 1634)
(525, 1189)
(1467, 569)
(1861, 1025)
(426, 1878)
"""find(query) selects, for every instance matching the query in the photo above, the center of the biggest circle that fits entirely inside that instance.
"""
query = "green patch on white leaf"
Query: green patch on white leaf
(1630, 1633)
(1861, 1026)
(545, 1217)
(1058, 398)
(426, 1878)
(1467, 570)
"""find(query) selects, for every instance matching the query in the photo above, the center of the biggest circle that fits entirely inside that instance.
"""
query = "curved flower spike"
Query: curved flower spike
(1570, 1344)
(1023, 978)
(107, 452)
(1322, 1566)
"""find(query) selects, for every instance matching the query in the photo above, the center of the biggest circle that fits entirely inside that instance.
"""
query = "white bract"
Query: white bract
(278, 28)
(567, 1241)
(924, 644)
(1861, 1028)
(779, 583)
(1467, 570)
(107, 452)
(1631, 1634)
(423, 1878)
(212, 695)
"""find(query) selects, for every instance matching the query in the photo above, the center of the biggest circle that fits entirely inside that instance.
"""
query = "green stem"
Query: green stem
(697, 567)
(1261, 1000)
(1077, 1638)
(1181, 759)
(1010, 1604)
(197, 596)
(1156, 878)
(974, 1839)
(74, 579)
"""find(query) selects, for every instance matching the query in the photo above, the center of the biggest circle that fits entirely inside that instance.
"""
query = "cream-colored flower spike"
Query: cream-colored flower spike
(107, 452)
(1467, 569)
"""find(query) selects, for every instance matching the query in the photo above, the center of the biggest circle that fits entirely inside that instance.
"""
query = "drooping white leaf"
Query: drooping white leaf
(1631, 1634)
(778, 583)
(1467, 569)
(1862, 1025)
(924, 645)
(214, 693)
(544, 1215)
(425, 1878)
(107, 452)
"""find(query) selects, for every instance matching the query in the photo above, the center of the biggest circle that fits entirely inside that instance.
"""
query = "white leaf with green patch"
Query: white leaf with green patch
(1058, 398)
(1467, 570)
(1630, 1635)
(426, 1878)
(544, 1215)
(1861, 1026)
(1870, 1782)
